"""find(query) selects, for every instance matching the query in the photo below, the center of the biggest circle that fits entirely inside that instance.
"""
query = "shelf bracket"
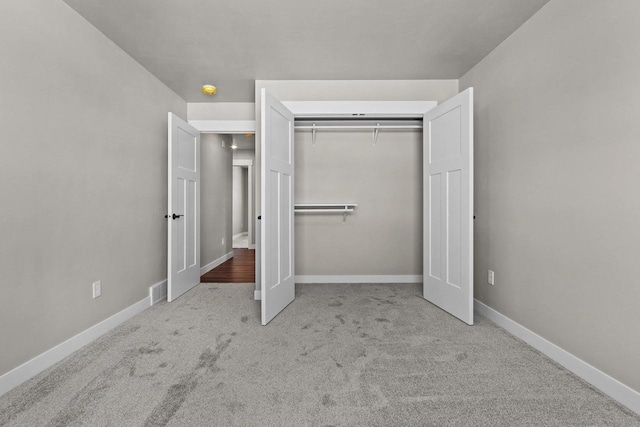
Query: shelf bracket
(376, 130)
(313, 134)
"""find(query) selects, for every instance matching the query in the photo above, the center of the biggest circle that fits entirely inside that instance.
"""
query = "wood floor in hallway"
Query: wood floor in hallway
(239, 269)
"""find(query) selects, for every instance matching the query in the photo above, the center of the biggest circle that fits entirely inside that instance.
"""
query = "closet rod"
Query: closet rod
(359, 127)
(343, 208)
(309, 207)
(324, 210)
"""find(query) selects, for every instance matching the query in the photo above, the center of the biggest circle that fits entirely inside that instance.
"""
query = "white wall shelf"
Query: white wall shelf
(330, 208)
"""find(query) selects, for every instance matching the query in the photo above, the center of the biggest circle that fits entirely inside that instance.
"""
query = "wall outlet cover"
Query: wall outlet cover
(97, 289)
(491, 277)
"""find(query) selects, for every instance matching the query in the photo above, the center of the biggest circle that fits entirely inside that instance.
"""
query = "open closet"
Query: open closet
(447, 190)
(358, 200)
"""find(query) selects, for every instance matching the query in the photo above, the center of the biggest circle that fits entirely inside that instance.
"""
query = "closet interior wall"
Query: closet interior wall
(383, 236)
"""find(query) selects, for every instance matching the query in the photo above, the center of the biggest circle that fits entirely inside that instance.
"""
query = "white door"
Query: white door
(277, 250)
(448, 206)
(184, 208)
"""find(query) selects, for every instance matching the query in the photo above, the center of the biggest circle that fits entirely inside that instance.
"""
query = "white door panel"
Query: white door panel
(448, 206)
(277, 238)
(184, 208)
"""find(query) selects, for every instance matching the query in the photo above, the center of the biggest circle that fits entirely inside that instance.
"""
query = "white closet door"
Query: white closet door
(277, 242)
(448, 206)
(184, 208)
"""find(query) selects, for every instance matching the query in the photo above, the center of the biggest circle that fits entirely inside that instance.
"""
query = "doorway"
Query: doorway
(233, 211)
(447, 210)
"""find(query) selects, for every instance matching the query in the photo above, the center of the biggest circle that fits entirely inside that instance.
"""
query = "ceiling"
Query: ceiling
(232, 43)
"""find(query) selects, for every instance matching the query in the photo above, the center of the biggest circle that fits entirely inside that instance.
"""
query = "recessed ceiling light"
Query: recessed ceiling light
(209, 90)
(234, 146)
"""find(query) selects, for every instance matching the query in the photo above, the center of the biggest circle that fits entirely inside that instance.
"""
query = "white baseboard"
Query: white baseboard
(244, 233)
(47, 359)
(600, 380)
(257, 295)
(252, 245)
(213, 264)
(361, 279)
(158, 292)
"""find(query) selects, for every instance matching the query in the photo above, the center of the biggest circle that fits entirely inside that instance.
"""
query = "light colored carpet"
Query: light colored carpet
(341, 355)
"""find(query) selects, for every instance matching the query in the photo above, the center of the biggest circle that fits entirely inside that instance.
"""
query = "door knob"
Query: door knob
(174, 216)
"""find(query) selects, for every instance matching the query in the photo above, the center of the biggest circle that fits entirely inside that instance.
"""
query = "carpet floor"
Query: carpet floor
(339, 355)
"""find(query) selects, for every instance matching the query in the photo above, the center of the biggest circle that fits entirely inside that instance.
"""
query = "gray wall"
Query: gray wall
(240, 201)
(384, 233)
(215, 197)
(328, 177)
(558, 178)
(83, 167)
(221, 110)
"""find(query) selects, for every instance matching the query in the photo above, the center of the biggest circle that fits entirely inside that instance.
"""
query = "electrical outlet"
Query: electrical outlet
(492, 277)
(97, 289)
(222, 241)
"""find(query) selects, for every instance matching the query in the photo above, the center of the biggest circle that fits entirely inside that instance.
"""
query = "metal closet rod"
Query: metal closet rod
(343, 208)
(356, 127)
(325, 207)
(376, 128)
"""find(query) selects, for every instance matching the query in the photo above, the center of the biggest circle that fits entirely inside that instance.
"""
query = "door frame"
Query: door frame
(328, 109)
(304, 109)
(236, 127)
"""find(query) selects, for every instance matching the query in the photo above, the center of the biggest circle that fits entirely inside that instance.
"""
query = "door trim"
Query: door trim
(620, 392)
(224, 126)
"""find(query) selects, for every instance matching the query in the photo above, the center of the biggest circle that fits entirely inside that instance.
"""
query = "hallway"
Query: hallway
(239, 269)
